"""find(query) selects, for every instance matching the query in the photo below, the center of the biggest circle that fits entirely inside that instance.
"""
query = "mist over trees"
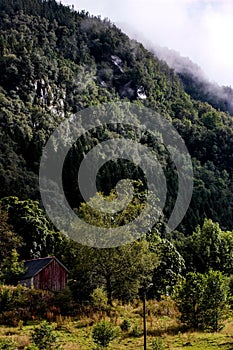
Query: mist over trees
(195, 82)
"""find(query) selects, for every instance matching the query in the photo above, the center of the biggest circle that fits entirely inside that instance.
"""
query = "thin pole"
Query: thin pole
(144, 318)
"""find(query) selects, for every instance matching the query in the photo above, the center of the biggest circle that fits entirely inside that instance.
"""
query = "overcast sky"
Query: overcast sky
(199, 29)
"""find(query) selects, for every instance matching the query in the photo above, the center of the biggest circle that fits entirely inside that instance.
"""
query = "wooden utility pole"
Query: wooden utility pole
(144, 318)
(146, 287)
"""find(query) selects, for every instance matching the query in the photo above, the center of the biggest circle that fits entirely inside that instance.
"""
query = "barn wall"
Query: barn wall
(52, 277)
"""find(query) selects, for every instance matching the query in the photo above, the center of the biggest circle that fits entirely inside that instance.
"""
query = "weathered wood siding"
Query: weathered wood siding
(52, 277)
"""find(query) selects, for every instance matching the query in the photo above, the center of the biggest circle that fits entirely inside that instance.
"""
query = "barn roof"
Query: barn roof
(34, 266)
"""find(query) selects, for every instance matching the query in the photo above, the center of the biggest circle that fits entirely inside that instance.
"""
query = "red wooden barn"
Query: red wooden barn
(45, 273)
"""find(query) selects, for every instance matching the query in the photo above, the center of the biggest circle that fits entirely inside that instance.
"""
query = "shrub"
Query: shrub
(136, 331)
(126, 325)
(10, 318)
(230, 291)
(32, 347)
(103, 333)
(21, 303)
(7, 344)
(64, 301)
(202, 300)
(158, 344)
(214, 301)
(44, 336)
(99, 298)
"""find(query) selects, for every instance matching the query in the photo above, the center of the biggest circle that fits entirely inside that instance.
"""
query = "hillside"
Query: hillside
(55, 61)
(195, 82)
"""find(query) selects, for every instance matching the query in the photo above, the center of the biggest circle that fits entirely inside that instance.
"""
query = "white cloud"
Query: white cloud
(199, 29)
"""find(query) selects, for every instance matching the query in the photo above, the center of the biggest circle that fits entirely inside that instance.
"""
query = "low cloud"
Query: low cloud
(199, 29)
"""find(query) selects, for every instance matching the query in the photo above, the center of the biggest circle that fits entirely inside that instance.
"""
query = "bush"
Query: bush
(11, 318)
(64, 301)
(21, 303)
(214, 301)
(126, 325)
(158, 344)
(136, 331)
(99, 298)
(32, 347)
(103, 333)
(7, 344)
(230, 292)
(44, 336)
(202, 300)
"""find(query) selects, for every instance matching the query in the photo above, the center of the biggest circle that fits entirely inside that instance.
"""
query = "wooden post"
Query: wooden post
(144, 318)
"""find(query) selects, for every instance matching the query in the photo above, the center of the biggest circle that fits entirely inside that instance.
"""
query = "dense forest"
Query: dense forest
(55, 62)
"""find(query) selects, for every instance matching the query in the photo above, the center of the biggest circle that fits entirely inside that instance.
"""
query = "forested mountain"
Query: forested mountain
(195, 81)
(55, 61)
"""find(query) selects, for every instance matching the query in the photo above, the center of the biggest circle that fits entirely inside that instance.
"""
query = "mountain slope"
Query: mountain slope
(196, 83)
(55, 62)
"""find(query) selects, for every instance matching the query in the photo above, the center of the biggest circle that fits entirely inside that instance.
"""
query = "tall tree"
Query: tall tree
(33, 227)
(9, 240)
(121, 271)
(170, 268)
(209, 247)
(202, 300)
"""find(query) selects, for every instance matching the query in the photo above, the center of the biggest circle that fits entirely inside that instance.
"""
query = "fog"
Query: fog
(199, 29)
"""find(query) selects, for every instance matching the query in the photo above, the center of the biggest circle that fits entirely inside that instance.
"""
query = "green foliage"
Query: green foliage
(158, 344)
(121, 271)
(103, 333)
(215, 300)
(44, 337)
(8, 344)
(189, 300)
(32, 347)
(36, 231)
(64, 301)
(126, 325)
(136, 331)
(209, 247)
(55, 61)
(202, 300)
(9, 240)
(22, 304)
(11, 268)
(99, 298)
(231, 291)
(170, 268)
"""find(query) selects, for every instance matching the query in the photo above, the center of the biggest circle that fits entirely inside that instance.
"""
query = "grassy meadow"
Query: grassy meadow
(162, 321)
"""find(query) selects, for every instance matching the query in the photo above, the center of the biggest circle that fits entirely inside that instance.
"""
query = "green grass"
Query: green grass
(80, 338)
(75, 334)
